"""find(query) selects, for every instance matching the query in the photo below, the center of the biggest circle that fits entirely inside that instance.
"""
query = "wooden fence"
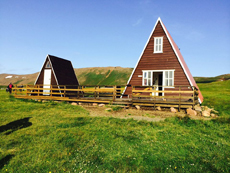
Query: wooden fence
(177, 96)
(69, 92)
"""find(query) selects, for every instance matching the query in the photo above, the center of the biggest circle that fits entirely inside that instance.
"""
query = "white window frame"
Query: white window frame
(167, 79)
(48, 65)
(158, 45)
(145, 74)
(147, 78)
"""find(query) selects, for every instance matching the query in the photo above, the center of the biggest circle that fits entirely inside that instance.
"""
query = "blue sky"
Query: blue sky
(111, 32)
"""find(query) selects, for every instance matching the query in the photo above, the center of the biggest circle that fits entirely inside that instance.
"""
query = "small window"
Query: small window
(169, 78)
(48, 65)
(147, 78)
(158, 44)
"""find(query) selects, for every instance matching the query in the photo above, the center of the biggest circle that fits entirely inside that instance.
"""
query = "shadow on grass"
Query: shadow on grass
(15, 125)
(5, 160)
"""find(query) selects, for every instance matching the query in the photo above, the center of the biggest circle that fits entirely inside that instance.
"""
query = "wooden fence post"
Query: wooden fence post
(14, 90)
(154, 98)
(194, 93)
(65, 91)
(98, 93)
(114, 92)
(95, 93)
(26, 90)
(51, 90)
(132, 92)
(82, 87)
(179, 97)
(78, 87)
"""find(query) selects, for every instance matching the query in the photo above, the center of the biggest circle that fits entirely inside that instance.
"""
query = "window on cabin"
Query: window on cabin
(147, 78)
(152, 77)
(158, 44)
(169, 78)
(48, 65)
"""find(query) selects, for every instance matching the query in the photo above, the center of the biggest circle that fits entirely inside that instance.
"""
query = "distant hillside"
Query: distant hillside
(5, 79)
(103, 75)
(212, 79)
(97, 76)
(86, 76)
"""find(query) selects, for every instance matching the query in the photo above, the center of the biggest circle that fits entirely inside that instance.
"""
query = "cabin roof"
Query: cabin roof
(182, 61)
(62, 69)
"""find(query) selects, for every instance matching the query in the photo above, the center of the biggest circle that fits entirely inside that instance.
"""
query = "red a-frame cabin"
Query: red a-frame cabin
(161, 64)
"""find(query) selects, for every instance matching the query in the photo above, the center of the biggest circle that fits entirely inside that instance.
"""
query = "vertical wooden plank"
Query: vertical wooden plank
(179, 97)
(38, 86)
(133, 87)
(114, 92)
(78, 87)
(27, 90)
(98, 93)
(154, 98)
(95, 93)
(14, 90)
(65, 91)
(51, 90)
(194, 92)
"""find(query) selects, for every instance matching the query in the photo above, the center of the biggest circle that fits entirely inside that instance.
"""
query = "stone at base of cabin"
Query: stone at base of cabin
(108, 109)
(80, 103)
(173, 110)
(158, 108)
(213, 115)
(214, 111)
(95, 104)
(205, 113)
(198, 108)
(205, 108)
(74, 103)
(191, 112)
(101, 105)
(138, 107)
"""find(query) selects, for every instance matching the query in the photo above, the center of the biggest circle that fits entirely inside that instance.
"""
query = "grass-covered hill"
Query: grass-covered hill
(58, 137)
(212, 79)
(103, 75)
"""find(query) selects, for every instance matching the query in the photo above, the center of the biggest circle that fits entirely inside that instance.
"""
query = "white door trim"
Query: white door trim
(47, 81)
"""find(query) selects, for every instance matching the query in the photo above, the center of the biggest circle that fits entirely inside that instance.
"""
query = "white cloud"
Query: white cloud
(195, 36)
(138, 22)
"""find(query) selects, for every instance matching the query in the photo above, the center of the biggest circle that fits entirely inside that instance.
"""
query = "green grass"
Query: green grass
(217, 95)
(59, 137)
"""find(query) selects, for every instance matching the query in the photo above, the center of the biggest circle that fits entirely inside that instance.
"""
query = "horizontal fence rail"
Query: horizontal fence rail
(176, 96)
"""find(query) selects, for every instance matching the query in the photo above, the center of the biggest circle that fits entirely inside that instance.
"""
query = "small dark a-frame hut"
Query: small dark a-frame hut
(57, 71)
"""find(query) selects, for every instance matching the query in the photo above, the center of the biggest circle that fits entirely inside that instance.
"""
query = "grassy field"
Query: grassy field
(59, 137)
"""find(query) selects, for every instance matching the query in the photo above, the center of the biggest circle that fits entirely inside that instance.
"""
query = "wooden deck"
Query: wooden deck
(179, 97)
